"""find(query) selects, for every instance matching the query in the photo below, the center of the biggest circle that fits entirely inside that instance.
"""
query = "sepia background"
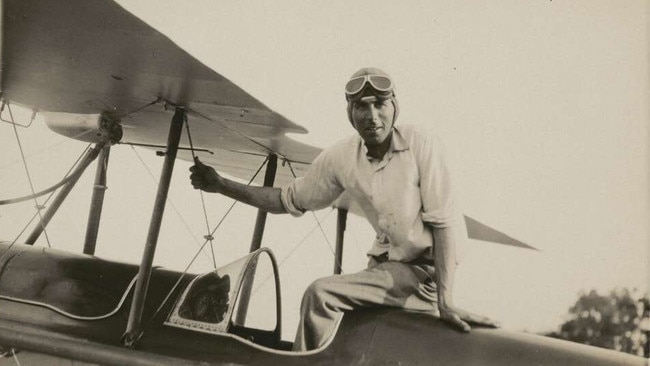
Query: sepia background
(543, 107)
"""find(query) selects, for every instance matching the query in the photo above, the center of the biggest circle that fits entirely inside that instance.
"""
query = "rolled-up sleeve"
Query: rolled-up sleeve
(436, 186)
(317, 189)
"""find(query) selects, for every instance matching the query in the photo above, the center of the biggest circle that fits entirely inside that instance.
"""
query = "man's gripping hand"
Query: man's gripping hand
(460, 318)
(204, 177)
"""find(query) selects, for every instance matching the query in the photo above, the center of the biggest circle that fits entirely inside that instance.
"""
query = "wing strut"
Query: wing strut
(256, 242)
(341, 219)
(260, 222)
(97, 201)
(134, 325)
(63, 193)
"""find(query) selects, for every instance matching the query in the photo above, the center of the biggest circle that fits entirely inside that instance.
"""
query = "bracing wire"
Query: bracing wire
(138, 109)
(240, 134)
(41, 193)
(13, 353)
(205, 211)
(83, 153)
(51, 189)
(318, 222)
(304, 238)
(44, 149)
(29, 178)
(180, 278)
(68, 177)
(171, 203)
(293, 250)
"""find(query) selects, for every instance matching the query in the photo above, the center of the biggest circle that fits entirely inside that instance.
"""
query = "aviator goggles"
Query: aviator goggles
(380, 83)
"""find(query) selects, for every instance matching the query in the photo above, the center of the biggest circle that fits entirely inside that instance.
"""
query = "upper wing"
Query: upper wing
(94, 57)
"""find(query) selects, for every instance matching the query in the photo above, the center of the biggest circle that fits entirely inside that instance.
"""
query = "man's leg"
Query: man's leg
(389, 284)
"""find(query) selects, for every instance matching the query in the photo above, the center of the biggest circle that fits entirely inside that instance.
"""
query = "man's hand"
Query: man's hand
(460, 318)
(204, 177)
(207, 179)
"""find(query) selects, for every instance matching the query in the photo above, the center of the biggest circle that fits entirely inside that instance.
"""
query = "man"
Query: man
(400, 179)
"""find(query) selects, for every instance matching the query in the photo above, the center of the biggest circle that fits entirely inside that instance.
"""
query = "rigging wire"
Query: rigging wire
(41, 193)
(319, 224)
(138, 109)
(44, 149)
(304, 239)
(29, 178)
(180, 278)
(316, 226)
(9, 352)
(171, 203)
(13, 353)
(53, 188)
(205, 211)
(241, 134)
(294, 249)
(220, 123)
(44, 203)
(83, 153)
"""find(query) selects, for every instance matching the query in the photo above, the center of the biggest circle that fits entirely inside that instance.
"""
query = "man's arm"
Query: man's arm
(445, 263)
(265, 198)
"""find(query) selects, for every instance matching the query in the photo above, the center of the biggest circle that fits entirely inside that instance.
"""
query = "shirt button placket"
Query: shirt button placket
(379, 197)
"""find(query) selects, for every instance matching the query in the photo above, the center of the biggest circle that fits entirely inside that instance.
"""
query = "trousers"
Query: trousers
(388, 283)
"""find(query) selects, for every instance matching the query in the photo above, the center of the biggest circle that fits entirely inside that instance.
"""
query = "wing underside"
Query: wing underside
(93, 57)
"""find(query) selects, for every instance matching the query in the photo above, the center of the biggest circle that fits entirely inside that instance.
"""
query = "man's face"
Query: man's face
(373, 119)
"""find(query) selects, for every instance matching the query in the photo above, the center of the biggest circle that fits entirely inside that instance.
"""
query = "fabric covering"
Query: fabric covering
(80, 285)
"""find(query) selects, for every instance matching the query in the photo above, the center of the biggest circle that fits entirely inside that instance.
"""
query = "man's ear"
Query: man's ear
(349, 110)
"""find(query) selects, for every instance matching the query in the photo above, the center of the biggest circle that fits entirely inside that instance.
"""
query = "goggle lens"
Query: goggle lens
(378, 82)
(355, 85)
(381, 83)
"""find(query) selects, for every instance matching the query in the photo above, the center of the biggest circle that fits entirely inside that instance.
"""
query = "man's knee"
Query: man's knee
(319, 291)
(318, 287)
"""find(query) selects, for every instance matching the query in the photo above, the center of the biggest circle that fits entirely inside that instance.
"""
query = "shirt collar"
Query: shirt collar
(398, 144)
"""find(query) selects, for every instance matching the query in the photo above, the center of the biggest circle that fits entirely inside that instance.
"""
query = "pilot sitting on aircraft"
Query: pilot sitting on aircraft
(400, 179)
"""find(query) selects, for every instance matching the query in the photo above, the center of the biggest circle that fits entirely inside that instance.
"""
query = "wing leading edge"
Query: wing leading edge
(92, 57)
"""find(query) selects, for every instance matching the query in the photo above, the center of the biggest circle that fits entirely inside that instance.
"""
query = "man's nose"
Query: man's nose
(373, 114)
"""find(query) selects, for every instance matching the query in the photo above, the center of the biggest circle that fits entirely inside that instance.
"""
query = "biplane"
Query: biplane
(136, 87)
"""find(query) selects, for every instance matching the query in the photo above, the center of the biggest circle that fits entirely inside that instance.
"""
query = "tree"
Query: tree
(618, 321)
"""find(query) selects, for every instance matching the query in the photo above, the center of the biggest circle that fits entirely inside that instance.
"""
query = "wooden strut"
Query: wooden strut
(97, 202)
(260, 222)
(63, 193)
(341, 219)
(256, 242)
(134, 325)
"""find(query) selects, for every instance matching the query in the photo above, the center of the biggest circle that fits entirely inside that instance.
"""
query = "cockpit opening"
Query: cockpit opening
(241, 298)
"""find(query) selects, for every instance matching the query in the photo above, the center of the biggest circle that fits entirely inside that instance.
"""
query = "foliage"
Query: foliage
(618, 321)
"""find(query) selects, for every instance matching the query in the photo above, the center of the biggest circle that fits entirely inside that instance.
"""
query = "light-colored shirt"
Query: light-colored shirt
(408, 187)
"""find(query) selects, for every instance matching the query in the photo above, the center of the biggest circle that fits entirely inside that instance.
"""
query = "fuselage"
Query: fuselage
(31, 278)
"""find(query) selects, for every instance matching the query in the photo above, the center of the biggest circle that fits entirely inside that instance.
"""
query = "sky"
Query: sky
(542, 105)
